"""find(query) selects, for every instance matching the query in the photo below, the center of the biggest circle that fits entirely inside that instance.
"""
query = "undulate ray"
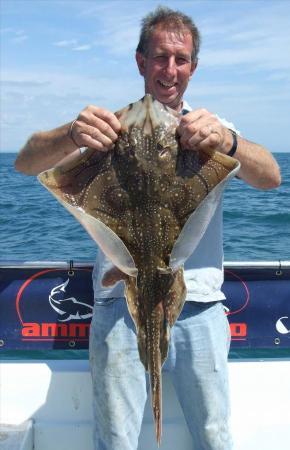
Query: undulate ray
(146, 203)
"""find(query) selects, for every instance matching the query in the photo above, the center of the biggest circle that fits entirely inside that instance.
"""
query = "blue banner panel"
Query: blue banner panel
(51, 307)
(258, 307)
(47, 308)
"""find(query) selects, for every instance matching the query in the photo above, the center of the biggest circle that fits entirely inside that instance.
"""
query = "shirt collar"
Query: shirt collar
(185, 108)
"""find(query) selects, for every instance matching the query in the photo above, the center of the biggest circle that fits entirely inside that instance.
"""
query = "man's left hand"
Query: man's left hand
(201, 130)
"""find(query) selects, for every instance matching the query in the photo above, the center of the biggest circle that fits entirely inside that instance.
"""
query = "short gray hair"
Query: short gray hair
(170, 20)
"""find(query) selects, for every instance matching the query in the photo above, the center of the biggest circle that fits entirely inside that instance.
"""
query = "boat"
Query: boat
(45, 386)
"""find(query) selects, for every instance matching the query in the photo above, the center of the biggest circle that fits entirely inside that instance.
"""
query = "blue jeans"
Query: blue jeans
(197, 362)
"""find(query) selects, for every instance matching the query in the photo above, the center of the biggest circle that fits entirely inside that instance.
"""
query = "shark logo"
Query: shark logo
(68, 308)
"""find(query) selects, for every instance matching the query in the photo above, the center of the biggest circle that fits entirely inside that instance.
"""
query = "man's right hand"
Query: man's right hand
(96, 128)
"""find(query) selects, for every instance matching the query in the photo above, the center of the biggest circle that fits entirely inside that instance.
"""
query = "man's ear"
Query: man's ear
(193, 67)
(141, 62)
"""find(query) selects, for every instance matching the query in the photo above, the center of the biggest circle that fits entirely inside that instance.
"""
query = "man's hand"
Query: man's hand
(96, 128)
(201, 130)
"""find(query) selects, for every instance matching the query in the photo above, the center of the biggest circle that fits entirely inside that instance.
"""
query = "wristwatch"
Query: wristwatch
(235, 143)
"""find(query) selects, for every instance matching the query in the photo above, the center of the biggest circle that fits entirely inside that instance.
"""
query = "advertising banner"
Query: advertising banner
(51, 308)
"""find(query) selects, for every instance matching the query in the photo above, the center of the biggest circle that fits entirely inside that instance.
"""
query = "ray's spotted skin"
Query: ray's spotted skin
(138, 201)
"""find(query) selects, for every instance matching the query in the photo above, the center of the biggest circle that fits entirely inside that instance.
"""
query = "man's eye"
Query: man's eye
(182, 60)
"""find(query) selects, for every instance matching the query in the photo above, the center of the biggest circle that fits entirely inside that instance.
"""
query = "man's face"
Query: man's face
(168, 66)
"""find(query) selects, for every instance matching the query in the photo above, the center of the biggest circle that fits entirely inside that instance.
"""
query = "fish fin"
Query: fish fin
(72, 184)
(164, 341)
(197, 222)
(112, 276)
(142, 348)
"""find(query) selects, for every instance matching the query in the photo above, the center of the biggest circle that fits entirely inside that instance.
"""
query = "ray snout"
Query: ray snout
(147, 114)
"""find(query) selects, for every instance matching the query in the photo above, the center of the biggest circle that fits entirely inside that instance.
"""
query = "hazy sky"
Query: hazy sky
(59, 56)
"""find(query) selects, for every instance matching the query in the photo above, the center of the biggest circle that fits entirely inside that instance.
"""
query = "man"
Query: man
(167, 58)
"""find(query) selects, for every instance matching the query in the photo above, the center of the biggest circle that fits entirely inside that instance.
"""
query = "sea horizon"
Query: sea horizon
(34, 226)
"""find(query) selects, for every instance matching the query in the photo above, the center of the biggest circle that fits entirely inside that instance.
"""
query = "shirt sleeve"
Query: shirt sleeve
(186, 108)
(227, 124)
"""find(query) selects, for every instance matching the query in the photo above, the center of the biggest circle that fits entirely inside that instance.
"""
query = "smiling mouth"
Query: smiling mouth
(166, 85)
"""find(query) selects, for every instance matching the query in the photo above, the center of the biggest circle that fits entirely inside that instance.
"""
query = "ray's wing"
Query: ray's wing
(202, 180)
(89, 189)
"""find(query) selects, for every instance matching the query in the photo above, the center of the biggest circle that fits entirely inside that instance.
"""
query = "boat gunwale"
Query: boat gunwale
(20, 264)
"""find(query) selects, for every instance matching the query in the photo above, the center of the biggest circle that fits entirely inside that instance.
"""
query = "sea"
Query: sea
(35, 227)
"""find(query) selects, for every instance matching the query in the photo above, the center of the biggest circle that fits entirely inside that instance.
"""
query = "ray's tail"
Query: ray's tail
(154, 368)
(153, 332)
(158, 334)
(153, 342)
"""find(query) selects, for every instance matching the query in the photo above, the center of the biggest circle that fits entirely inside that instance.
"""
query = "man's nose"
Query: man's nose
(171, 66)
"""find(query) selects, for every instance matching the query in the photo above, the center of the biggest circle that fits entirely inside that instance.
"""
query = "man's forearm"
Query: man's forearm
(44, 150)
(95, 127)
(200, 130)
(258, 167)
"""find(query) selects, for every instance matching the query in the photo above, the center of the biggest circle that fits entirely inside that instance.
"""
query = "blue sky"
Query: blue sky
(59, 56)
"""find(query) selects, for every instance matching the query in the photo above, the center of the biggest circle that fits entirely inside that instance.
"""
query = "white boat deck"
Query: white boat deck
(55, 397)
(14, 437)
